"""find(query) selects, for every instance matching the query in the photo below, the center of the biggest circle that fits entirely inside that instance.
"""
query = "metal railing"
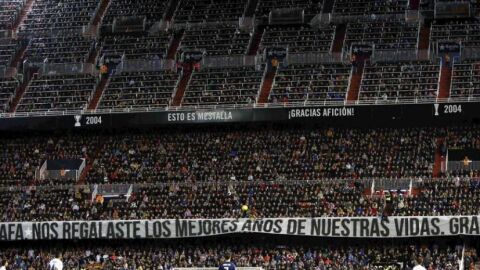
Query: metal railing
(326, 103)
(215, 61)
(340, 18)
(131, 65)
(392, 184)
(194, 25)
(380, 183)
(395, 55)
(246, 23)
(412, 15)
(106, 189)
(52, 31)
(59, 68)
(312, 58)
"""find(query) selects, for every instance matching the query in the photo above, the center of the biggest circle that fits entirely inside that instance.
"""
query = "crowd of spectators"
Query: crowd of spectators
(214, 86)
(299, 83)
(236, 154)
(444, 198)
(217, 155)
(242, 153)
(391, 82)
(20, 155)
(326, 198)
(239, 154)
(264, 252)
(461, 137)
(139, 90)
(295, 199)
(312, 199)
(58, 93)
(172, 163)
(46, 204)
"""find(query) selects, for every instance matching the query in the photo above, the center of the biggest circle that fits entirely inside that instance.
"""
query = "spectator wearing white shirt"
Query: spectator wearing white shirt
(56, 263)
(418, 265)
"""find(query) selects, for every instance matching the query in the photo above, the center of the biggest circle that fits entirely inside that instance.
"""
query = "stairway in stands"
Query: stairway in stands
(17, 59)
(86, 170)
(367, 191)
(266, 86)
(97, 18)
(413, 4)
(93, 54)
(328, 6)
(170, 11)
(250, 8)
(19, 92)
(424, 40)
(23, 14)
(439, 158)
(173, 47)
(181, 87)
(97, 95)
(94, 153)
(354, 85)
(340, 32)
(255, 40)
(445, 82)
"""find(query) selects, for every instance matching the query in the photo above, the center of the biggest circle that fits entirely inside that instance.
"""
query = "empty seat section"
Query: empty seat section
(299, 83)
(58, 93)
(227, 86)
(396, 82)
(219, 40)
(139, 90)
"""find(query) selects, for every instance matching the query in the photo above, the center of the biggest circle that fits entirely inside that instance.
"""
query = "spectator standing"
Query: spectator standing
(418, 265)
(447, 60)
(56, 263)
(274, 63)
(104, 71)
(353, 62)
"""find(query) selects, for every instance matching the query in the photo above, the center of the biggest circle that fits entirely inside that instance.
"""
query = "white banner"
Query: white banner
(183, 228)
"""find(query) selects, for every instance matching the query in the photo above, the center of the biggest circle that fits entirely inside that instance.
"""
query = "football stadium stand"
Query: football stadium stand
(377, 188)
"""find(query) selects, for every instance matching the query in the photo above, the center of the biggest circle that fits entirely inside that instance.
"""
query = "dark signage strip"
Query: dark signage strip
(354, 116)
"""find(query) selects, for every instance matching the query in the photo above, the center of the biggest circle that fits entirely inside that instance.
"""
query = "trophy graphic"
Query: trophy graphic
(77, 120)
(436, 109)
